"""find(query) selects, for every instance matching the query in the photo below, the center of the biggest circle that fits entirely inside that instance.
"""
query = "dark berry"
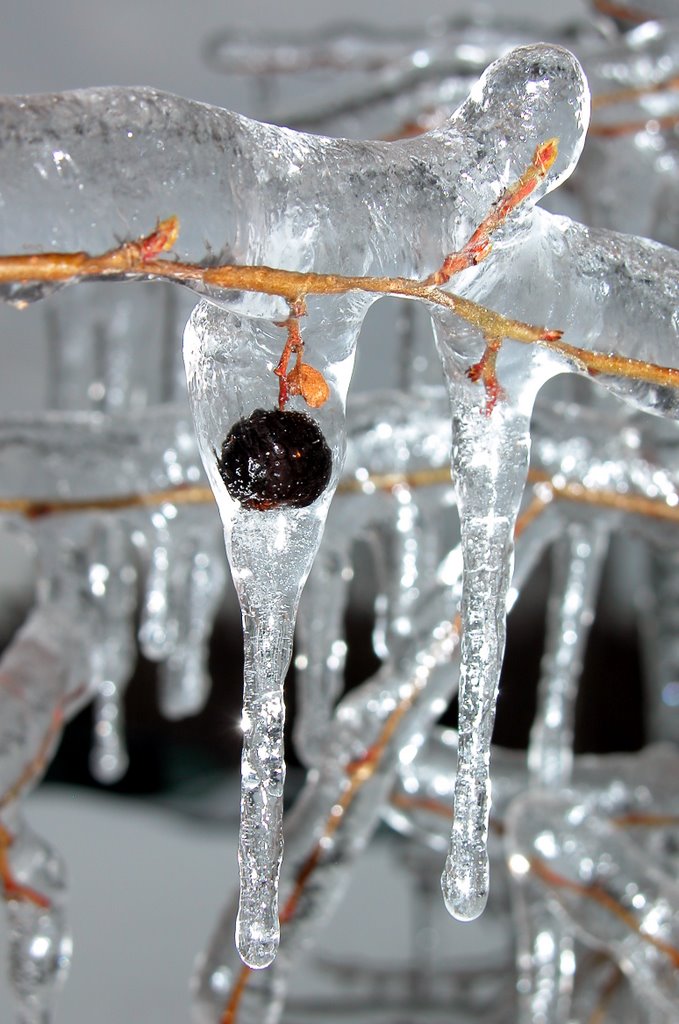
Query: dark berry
(273, 458)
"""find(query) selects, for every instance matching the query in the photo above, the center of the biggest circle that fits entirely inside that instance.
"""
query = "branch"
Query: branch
(596, 892)
(138, 261)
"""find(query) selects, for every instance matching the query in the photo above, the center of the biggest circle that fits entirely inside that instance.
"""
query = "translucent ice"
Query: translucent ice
(268, 196)
(575, 577)
(376, 731)
(229, 362)
(112, 579)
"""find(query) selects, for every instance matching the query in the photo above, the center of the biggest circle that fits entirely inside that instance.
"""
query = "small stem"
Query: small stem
(485, 372)
(293, 346)
(294, 286)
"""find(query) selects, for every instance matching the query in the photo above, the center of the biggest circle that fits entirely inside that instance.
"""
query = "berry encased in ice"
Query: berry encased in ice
(275, 458)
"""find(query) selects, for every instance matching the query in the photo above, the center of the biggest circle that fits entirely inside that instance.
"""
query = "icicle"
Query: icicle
(321, 647)
(490, 467)
(103, 347)
(545, 956)
(184, 584)
(316, 833)
(39, 941)
(573, 589)
(659, 607)
(229, 362)
(607, 886)
(112, 579)
(197, 586)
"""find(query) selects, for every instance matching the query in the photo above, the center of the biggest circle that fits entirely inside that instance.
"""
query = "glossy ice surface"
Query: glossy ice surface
(77, 169)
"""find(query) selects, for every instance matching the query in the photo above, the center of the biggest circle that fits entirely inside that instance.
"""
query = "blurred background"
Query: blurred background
(166, 44)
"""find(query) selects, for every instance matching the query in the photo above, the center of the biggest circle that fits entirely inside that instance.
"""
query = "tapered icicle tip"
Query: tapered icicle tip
(257, 945)
(464, 884)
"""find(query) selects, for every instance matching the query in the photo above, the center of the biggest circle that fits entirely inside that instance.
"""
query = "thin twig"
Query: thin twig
(596, 892)
(131, 261)
(625, 12)
(359, 772)
(291, 285)
(632, 504)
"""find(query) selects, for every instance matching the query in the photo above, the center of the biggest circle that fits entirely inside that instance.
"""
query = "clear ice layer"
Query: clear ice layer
(260, 195)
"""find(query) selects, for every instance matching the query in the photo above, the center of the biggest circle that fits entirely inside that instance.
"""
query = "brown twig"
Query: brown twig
(183, 494)
(632, 504)
(634, 92)
(359, 772)
(625, 12)
(130, 261)
(478, 247)
(639, 819)
(430, 805)
(291, 285)
(616, 130)
(596, 892)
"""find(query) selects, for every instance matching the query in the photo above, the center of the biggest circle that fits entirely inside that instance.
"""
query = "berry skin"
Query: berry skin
(275, 458)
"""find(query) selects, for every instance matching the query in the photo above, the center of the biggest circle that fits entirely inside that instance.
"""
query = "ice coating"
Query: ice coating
(533, 249)
(627, 178)
(41, 679)
(251, 207)
(198, 579)
(112, 579)
(393, 441)
(604, 879)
